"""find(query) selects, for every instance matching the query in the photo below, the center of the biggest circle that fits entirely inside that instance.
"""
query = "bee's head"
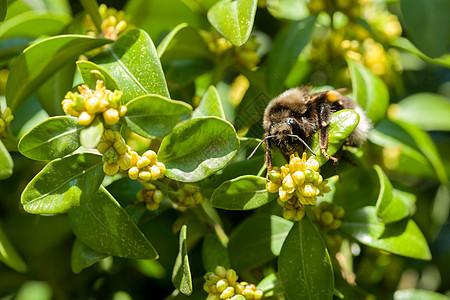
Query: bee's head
(283, 134)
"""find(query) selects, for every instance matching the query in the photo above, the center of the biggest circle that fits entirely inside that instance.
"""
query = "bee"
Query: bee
(292, 119)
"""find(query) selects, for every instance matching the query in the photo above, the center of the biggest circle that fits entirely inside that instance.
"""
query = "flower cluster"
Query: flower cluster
(89, 103)
(298, 184)
(113, 23)
(223, 284)
(116, 154)
(5, 118)
(150, 195)
(329, 215)
(189, 195)
(146, 167)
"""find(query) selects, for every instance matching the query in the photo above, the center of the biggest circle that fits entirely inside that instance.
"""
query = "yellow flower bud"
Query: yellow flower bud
(299, 178)
(151, 155)
(133, 173)
(156, 173)
(142, 162)
(258, 294)
(295, 163)
(152, 206)
(84, 119)
(134, 157)
(248, 293)
(103, 146)
(148, 186)
(213, 297)
(92, 105)
(339, 212)
(124, 161)
(9, 118)
(300, 213)
(289, 214)
(157, 196)
(231, 276)
(313, 164)
(188, 201)
(120, 146)
(122, 110)
(220, 271)
(221, 285)
(336, 224)
(111, 116)
(272, 187)
(145, 175)
(308, 190)
(162, 167)
(227, 293)
(110, 156)
(110, 135)
(288, 184)
(275, 176)
(110, 168)
(318, 180)
(327, 218)
(140, 196)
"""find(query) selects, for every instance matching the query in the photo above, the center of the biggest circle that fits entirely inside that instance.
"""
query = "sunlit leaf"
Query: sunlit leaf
(210, 105)
(83, 257)
(92, 72)
(405, 44)
(6, 162)
(181, 276)
(410, 294)
(270, 285)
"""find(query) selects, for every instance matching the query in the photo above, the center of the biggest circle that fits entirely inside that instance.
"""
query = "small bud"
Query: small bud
(227, 293)
(110, 135)
(152, 206)
(162, 167)
(313, 164)
(294, 163)
(198, 197)
(339, 212)
(258, 294)
(142, 162)
(84, 119)
(122, 110)
(156, 173)
(124, 161)
(231, 276)
(289, 214)
(110, 156)
(151, 155)
(288, 184)
(299, 177)
(220, 271)
(299, 214)
(272, 187)
(145, 175)
(133, 173)
(248, 294)
(213, 297)
(221, 285)
(103, 146)
(275, 176)
(309, 175)
(120, 146)
(92, 105)
(308, 190)
(111, 116)
(134, 157)
(157, 196)
(110, 168)
(327, 218)
(148, 186)
(188, 201)
(336, 224)
(318, 180)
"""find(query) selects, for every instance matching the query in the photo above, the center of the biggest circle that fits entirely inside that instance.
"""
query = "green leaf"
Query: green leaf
(34, 24)
(6, 162)
(369, 91)
(91, 7)
(257, 240)
(391, 206)
(242, 193)
(92, 72)
(403, 237)
(8, 254)
(53, 138)
(154, 116)
(233, 19)
(423, 17)
(342, 124)
(198, 148)
(270, 285)
(90, 136)
(83, 256)
(426, 110)
(3, 9)
(287, 46)
(41, 60)
(132, 61)
(63, 184)
(210, 105)
(181, 276)
(52, 92)
(214, 253)
(405, 44)
(103, 225)
(288, 9)
(410, 294)
(304, 265)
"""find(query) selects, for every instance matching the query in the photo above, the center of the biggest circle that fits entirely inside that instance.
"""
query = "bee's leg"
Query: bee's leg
(268, 158)
(324, 117)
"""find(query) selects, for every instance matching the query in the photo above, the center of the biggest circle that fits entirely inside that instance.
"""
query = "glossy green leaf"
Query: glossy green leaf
(342, 124)
(198, 148)
(405, 44)
(410, 294)
(132, 61)
(53, 138)
(210, 105)
(90, 136)
(39, 61)
(92, 72)
(426, 110)
(304, 265)
(287, 46)
(270, 285)
(403, 238)
(288, 9)
(390, 206)
(168, 39)
(181, 276)
(233, 19)
(83, 257)
(34, 24)
(11, 47)
(242, 193)
(103, 225)
(91, 7)
(3, 9)
(214, 253)
(369, 91)
(154, 116)
(9, 256)
(63, 184)
(53, 90)
(257, 240)
(423, 17)
(6, 162)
